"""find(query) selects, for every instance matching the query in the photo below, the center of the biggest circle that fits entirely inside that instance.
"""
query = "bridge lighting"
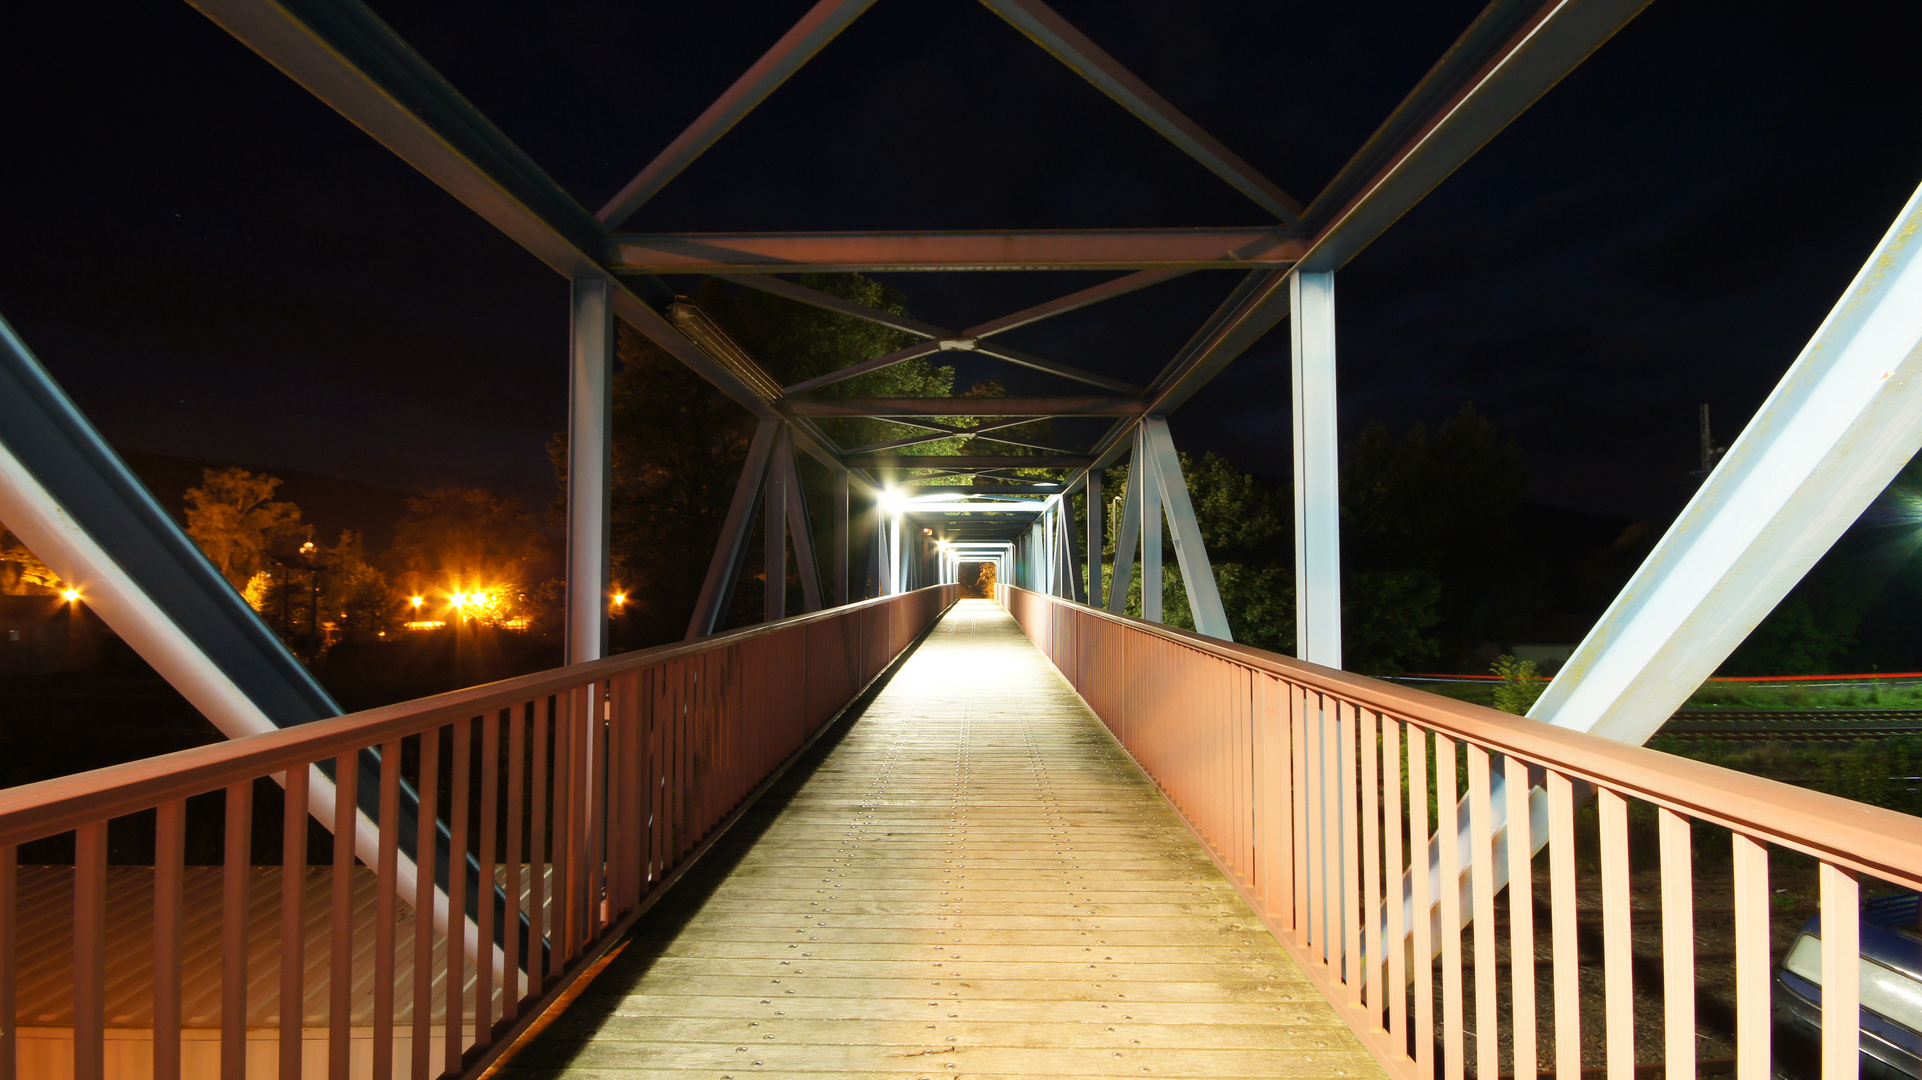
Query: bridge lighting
(893, 501)
(70, 595)
(620, 598)
(416, 601)
(460, 599)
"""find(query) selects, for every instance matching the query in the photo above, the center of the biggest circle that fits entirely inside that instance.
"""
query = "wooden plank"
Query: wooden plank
(976, 876)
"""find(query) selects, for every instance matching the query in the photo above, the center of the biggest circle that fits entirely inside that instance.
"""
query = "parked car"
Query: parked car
(1891, 930)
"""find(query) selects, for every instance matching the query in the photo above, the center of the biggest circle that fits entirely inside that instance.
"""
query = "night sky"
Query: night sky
(217, 265)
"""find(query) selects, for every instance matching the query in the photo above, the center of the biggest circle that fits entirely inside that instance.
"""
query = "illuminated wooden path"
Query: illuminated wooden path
(974, 881)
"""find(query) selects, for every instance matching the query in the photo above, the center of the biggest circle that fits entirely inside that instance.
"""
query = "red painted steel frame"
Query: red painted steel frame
(652, 754)
(1290, 775)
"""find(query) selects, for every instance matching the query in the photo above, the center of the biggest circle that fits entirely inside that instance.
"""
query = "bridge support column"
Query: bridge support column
(590, 420)
(1317, 474)
(1096, 513)
(774, 497)
(1145, 493)
(1163, 466)
(840, 553)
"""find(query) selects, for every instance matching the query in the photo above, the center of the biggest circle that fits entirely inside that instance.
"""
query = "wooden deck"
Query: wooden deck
(972, 880)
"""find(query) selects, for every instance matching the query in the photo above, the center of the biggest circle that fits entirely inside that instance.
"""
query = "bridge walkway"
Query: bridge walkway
(969, 879)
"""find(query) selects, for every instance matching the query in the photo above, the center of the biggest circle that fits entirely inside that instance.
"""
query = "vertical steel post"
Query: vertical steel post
(1149, 494)
(774, 532)
(1124, 542)
(1095, 514)
(1317, 472)
(590, 419)
(840, 555)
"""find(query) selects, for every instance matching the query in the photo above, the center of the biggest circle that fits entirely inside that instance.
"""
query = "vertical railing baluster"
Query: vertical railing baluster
(386, 901)
(90, 951)
(169, 899)
(1521, 915)
(1319, 856)
(1300, 793)
(424, 844)
(9, 942)
(1566, 940)
(340, 938)
(595, 765)
(570, 840)
(293, 920)
(1368, 742)
(1841, 972)
(1347, 815)
(1448, 838)
(1481, 872)
(1422, 907)
(456, 992)
(1678, 943)
(513, 985)
(1618, 958)
(1752, 963)
(485, 922)
(537, 855)
(233, 938)
(1396, 988)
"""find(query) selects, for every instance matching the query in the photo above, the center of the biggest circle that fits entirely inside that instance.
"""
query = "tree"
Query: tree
(471, 549)
(354, 594)
(233, 517)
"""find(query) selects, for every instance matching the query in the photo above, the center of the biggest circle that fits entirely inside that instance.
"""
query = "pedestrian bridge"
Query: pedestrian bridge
(914, 836)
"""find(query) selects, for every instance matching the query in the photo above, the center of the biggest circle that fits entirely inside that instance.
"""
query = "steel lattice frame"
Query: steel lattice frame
(1507, 58)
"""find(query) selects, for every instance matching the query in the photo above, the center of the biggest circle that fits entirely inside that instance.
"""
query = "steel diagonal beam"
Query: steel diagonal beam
(1074, 301)
(898, 407)
(343, 54)
(966, 461)
(1070, 46)
(912, 352)
(941, 433)
(1512, 54)
(796, 47)
(830, 302)
(1028, 360)
(1004, 249)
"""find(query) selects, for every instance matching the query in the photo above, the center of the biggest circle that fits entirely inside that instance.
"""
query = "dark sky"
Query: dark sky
(217, 265)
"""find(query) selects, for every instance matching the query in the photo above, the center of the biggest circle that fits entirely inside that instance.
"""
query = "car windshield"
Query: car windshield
(1885, 991)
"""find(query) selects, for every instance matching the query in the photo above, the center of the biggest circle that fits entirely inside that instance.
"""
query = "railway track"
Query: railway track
(1799, 724)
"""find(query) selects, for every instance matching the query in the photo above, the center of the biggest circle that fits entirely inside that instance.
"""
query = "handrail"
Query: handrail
(579, 793)
(30, 812)
(1310, 788)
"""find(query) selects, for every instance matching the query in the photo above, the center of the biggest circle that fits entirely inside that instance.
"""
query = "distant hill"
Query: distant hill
(327, 503)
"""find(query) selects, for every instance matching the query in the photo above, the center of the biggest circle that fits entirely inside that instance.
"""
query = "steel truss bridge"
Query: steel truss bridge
(1189, 857)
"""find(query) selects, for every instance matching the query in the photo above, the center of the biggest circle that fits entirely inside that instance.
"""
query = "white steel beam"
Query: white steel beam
(800, 527)
(1148, 494)
(1842, 422)
(1317, 473)
(1191, 555)
(774, 496)
(1096, 512)
(590, 419)
(840, 554)
(1124, 543)
(722, 569)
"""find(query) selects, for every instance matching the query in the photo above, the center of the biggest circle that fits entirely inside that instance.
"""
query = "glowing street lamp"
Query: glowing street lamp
(70, 595)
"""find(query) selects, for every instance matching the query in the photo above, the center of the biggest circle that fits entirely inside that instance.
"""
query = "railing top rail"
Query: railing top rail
(48, 807)
(1872, 839)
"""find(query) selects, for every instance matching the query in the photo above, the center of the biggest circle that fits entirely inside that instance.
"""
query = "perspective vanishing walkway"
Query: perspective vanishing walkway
(970, 879)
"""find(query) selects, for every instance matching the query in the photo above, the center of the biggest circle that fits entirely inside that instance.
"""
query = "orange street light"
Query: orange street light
(416, 601)
(620, 598)
(70, 595)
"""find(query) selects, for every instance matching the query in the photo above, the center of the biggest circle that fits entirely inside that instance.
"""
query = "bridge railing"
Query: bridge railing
(1317, 790)
(577, 793)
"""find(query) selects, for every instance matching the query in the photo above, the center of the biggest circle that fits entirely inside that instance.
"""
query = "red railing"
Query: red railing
(1314, 789)
(576, 793)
